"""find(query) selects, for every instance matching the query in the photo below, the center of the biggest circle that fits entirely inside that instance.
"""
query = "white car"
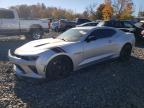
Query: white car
(72, 50)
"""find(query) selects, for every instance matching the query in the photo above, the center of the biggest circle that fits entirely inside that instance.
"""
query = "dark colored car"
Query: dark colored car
(54, 26)
(65, 25)
(126, 26)
(88, 24)
(81, 21)
(70, 24)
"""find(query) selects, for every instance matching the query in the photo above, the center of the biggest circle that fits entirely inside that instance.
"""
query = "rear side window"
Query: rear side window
(6, 14)
(103, 33)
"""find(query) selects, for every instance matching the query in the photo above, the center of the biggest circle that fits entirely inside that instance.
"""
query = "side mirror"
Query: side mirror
(90, 38)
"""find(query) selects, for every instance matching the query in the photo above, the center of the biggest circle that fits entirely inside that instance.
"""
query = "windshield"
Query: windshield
(73, 34)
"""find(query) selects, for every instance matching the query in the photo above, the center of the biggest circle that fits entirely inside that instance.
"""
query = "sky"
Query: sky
(76, 5)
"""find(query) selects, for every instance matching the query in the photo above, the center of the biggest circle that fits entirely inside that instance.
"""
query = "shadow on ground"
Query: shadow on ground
(113, 84)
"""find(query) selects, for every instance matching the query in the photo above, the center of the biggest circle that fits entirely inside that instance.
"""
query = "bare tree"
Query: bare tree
(91, 10)
(120, 5)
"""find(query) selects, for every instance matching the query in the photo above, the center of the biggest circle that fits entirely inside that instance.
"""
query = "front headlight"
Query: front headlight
(28, 58)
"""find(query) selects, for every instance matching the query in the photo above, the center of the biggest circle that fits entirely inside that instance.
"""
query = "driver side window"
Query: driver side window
(95, 34)
(102, 33)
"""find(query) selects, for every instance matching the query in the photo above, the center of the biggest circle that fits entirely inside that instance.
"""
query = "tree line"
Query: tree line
(41, 11)
(120, 9)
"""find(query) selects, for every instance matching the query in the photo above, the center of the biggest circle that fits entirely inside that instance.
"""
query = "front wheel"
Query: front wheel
(126, 52)
(58, 68)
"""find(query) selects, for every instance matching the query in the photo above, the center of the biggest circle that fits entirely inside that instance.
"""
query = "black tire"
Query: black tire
(36, 34)
(58, 68)
(125, 53)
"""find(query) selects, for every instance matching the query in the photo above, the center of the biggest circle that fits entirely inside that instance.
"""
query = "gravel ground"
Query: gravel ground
(112, 84)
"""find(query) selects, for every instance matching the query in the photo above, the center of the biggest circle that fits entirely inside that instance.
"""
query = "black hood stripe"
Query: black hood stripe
(41, 45)
(58, 50)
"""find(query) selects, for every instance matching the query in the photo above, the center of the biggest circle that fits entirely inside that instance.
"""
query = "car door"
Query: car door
(100, 47)
(9, 24)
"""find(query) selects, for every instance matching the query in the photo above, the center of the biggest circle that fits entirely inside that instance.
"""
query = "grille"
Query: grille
(21, 69)
(33, 68)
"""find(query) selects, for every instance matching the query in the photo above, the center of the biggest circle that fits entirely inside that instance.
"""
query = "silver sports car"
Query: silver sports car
(72, 50)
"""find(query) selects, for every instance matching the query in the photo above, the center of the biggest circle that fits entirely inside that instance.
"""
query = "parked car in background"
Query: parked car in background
(54, 26)
(88, 24)
(49, 21)
(81, 21)
(11, 24)
(126, 26)
(72, 50)
(71, 24)
(62, 25)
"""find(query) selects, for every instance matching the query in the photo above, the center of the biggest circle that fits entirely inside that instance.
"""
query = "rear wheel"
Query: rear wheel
(126, 52)
(58, 68)
(35, 34)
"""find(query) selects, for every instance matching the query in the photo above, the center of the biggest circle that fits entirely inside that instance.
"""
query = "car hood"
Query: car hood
(39, 46)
